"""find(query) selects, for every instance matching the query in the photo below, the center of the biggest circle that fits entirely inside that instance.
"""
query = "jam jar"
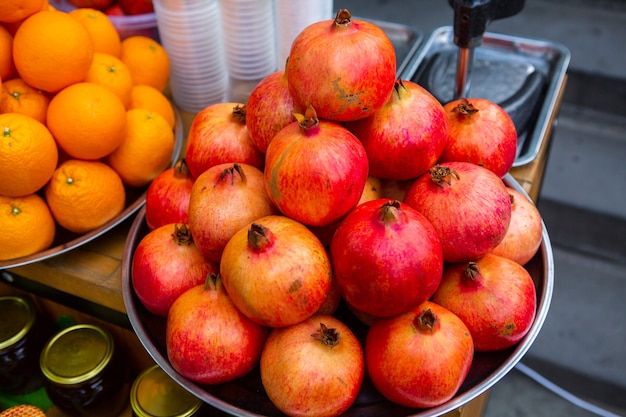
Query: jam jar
(83, 373)
(155, 394)
(22, 336)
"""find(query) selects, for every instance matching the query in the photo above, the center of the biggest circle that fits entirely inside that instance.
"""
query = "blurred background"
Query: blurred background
(581, 347)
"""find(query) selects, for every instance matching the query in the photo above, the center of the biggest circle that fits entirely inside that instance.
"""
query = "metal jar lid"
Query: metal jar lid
(16, 320)
(76, 354)
(154, 394)
(23, 410)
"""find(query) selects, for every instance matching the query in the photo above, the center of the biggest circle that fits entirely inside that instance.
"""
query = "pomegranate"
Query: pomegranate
(166, 263)
(207, 339)
(218, 135)
(344, 67)
(482, 132)
(313, 368)
(494, 296)
(332, 301)
(167, 197)
(419, 358)
(225, 198)
(387, 258)
(270, 107)
(365, 318)
(91, 4)
(406, 136)
(394, 189)
(315, 170)
(114, 10)
(468, 205)
(276, 271)
(371, 191)
(136, 7)
(524, 236)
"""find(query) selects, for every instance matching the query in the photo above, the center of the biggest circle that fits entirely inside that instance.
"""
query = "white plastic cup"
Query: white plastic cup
(291, 17)
(249, 38)
(191, 33)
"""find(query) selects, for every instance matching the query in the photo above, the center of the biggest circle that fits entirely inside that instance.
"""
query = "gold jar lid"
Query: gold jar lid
(23, 410)
(76, 354)
(155, 394)
(16, 320)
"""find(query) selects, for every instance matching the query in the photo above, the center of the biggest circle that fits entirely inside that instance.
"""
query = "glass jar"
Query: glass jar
(22, 336)
(82, 372)
(154, 394)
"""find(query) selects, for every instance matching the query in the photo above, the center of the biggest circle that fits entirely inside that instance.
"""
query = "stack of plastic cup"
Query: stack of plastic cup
(191, 33)
(291, 17)
(249, 38)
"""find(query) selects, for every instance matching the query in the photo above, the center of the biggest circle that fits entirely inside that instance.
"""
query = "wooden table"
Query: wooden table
(85, 283)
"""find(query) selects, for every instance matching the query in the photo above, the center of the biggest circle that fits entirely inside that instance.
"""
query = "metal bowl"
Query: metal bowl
(246, 397)
(65, 241)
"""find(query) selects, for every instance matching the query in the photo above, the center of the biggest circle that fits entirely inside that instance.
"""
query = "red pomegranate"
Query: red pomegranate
(343, 67)
(467, 204)
(387, 258)
(315, 170)
(406, 136)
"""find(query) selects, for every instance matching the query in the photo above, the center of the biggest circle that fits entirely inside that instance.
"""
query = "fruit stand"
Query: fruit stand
(89, 282)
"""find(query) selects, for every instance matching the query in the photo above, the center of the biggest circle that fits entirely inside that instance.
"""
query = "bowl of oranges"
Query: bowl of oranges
(86, 125)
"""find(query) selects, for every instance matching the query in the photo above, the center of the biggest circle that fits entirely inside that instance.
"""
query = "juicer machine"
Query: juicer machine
(524, 76)
(471, 18)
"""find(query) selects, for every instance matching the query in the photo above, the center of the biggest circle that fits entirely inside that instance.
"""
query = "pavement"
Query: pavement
(577, 365)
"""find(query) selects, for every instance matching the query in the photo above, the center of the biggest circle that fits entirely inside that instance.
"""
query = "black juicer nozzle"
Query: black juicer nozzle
(471, 18)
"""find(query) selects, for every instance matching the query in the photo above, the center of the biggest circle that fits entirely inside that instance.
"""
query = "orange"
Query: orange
(27, 226)
(19, 97)
(52, 50)
(87, 120)
(85, 195)
(105, 36)
(146, 150)
(28, 155)
(148, 61)
(16, 10)
(147, 97)
(7, 68)
(110, 72)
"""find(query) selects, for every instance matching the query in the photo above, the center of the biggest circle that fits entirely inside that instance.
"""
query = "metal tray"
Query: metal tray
(525, 76)
(64, 240)
(246, 397)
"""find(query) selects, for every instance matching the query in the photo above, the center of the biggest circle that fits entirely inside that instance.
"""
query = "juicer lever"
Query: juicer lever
(471, 18)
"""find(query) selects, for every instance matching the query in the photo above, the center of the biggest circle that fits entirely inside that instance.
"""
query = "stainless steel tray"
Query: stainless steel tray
(246, 397)
(525, 76)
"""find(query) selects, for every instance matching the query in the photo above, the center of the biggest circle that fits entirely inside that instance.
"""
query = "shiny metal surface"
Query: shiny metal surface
(463, 66)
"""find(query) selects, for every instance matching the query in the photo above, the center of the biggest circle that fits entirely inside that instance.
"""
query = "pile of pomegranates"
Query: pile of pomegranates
(338, 185)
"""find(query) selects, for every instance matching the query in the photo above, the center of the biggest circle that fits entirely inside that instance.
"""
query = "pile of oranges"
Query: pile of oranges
(83, 116)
